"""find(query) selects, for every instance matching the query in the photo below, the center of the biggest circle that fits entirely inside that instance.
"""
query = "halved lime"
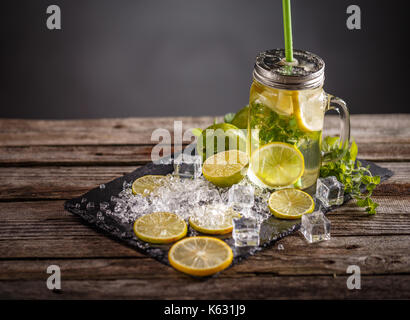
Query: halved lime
(226, 168)
(220, 137)
(241, 118)
(277, 164)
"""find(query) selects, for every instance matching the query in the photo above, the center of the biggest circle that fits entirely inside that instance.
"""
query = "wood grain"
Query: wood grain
(18, 132)
(250, 287)
(126, 155)
(65, 182)
(44, 162)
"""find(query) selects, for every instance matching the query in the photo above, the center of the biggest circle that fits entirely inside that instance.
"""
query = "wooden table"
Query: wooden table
(42, 163)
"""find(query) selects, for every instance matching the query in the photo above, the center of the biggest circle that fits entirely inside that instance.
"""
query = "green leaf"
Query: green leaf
(353, 151)
(229, 117)
(350, 172)
(196, 132)
(330, 143)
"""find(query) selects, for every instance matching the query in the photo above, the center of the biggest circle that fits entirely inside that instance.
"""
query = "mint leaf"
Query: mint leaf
(350, 172)
(353, 151)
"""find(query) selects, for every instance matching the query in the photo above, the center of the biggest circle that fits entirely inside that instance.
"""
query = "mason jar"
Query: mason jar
(287, 105)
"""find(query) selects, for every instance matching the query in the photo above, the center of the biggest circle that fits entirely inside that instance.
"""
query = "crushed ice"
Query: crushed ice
(186, 197)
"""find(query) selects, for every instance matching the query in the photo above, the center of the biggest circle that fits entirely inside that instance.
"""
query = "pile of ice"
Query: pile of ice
(185, 192)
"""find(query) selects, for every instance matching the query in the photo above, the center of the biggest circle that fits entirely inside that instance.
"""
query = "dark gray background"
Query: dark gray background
(188, 57)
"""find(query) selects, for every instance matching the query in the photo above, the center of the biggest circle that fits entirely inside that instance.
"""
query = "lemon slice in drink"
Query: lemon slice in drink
(225, 168)
(147, 184)
(279, 101)
(277, 164)
(160, 227)
(200, 256)
(213, 219)
(309, 111)
(290, 203)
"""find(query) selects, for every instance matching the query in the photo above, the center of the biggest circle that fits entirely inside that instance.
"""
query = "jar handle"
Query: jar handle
(337, 104)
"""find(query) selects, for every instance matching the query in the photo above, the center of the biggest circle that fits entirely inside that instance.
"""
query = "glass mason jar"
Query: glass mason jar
(287, 104)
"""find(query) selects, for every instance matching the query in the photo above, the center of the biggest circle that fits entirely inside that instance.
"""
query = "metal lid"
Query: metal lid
(305, 72)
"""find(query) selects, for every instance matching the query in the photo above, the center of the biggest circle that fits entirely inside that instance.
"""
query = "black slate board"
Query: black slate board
(272, 229)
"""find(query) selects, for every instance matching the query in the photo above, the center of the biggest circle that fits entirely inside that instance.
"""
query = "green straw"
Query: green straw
(287, 26)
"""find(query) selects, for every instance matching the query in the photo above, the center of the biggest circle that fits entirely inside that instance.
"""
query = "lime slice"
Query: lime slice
(147, 184)
(290, 203)
(220, 137)
(309, 110)
(200, 256)
(160, 227)
(213, 219)
(277, 164)
(226, 168)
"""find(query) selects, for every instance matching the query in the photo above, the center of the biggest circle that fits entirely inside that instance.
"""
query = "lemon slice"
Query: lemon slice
(200, 256)
(277, 164)
(147, 184)
(279, 101)
(290, 203)
(225, 168)
(213, 219)
(309, 110)
(160, 227)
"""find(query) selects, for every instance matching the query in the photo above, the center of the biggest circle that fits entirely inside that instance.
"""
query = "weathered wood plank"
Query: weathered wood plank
(54, 182)
(18, 132)
(44, 230)
(110, 155)
(131, 131)
(252, 287)
(63, 182)
(374, 255)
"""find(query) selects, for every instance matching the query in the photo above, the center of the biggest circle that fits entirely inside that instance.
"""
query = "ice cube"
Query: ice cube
(315, 227)
(104, 206)
(241, 197)
(188, 166)
(330, 191)
(126, 185)
(245, 232)
(90, 205)
(102, 186)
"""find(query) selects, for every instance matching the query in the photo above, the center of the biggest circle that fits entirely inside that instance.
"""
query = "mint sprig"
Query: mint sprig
(350, 172)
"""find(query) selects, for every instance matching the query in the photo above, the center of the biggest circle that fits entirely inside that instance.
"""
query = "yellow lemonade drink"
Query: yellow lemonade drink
(277, 115)
(286, 111)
